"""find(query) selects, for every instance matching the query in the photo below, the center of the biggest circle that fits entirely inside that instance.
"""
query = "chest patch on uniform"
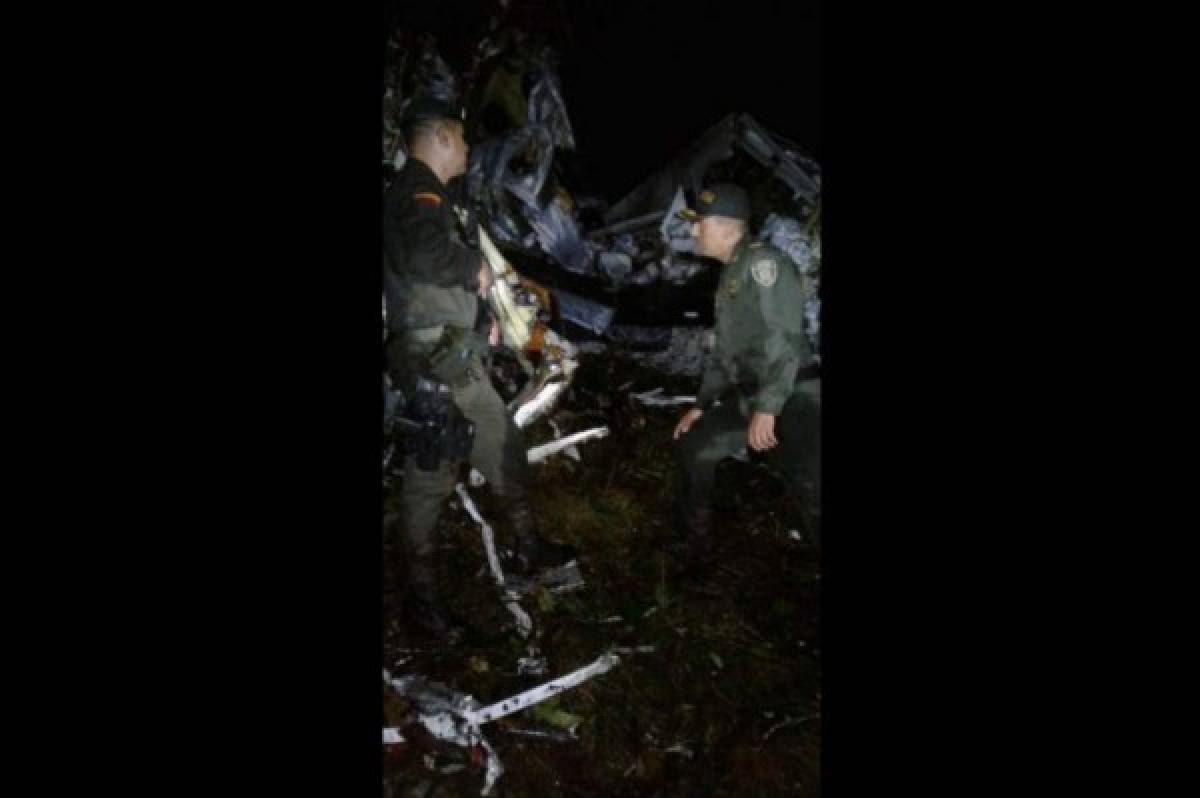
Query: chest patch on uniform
(427, 198)
(731, 287)
(765, 272)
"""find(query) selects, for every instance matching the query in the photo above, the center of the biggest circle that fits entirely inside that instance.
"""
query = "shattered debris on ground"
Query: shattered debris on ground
(709, 664)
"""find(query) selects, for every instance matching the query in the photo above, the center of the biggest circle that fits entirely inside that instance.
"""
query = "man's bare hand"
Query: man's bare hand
(686, 421)
(485, 279)
(761, 434)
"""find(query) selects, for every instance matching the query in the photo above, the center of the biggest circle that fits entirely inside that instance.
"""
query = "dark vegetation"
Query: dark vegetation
(728, 702)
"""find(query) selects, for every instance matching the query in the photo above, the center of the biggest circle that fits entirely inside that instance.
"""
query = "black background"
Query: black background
(208, 359)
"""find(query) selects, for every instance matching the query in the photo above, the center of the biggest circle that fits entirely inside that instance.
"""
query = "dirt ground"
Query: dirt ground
(727, 702)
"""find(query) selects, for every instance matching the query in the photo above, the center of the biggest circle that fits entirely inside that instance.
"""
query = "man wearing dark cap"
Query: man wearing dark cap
(755, 390)
(438, 332)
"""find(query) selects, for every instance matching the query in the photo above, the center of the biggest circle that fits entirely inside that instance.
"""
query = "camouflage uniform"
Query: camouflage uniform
(760, 363)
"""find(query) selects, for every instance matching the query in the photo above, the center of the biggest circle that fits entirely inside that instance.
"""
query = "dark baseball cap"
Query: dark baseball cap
(723, 199)
(427, 108)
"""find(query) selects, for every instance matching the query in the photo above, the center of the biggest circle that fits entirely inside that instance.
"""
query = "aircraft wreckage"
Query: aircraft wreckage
(575, 275)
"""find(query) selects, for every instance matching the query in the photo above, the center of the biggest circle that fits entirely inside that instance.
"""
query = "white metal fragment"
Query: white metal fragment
(444, 726)
(494, 768)
(539, 404)
(524, 623)
(455, 717)
(539, 453)
(535, 695)
(557, 371)
(655, 398)
(444, 715)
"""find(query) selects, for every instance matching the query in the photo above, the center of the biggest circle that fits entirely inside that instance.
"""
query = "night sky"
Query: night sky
(643, 79)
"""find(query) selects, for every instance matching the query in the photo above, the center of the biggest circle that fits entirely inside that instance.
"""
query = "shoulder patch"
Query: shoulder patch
(427, 198)
(756, 245)
(765, 272)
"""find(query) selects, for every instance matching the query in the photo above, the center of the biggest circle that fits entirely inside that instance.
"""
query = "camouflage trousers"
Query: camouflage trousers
(721, 433)
(498, 452)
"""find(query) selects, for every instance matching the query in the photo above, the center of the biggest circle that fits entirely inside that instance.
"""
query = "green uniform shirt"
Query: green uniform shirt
(760, 341)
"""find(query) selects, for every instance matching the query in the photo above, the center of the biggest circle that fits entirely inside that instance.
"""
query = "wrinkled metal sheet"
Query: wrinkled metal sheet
(686, 169)
(801, 243)
(735, 133)
(616, 266)
(641, 337)
(586, 313)
(546, 105)
(559, 236)
(789, 236)
(676, 231)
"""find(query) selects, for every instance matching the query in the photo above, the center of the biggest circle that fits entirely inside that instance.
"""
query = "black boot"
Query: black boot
(532, 552)
(424, 609)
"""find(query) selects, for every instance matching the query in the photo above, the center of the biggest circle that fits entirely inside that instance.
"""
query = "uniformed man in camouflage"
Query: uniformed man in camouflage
(756, 390)
(439, 330)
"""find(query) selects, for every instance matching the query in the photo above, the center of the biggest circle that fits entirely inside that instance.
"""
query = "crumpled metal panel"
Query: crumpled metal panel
(546, 106)
(802, 244)
(788, 235)
(583, 312)
(558, 235)
(735, 133)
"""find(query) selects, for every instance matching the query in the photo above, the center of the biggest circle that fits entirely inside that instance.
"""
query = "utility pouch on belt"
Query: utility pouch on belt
(452, 356)
(434, 428)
